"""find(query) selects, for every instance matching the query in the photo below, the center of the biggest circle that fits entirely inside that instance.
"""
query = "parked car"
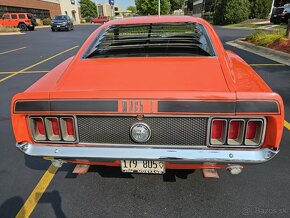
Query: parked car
(24, 21)
(61, 22)
(277, 15)
(101, 19)
(148, 94)
(286, 13)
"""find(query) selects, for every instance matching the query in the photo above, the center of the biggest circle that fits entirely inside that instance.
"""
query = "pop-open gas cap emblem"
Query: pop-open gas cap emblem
(140, 132)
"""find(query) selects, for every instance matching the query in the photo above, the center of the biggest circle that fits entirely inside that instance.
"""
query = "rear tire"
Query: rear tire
(52, 29)
(22, 27)
(31, 28)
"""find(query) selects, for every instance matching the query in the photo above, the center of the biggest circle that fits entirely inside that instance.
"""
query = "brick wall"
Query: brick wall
(54, 8)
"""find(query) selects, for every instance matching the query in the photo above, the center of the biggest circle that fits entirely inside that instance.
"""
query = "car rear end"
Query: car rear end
(162, 98)
(276, 16)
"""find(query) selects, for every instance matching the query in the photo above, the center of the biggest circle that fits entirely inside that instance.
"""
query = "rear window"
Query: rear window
(152, 40)
(59, 17)
(21, 16)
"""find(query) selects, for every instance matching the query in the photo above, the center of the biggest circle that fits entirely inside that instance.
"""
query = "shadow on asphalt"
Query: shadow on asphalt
(11, 207)
(54, 199)
(103, 171)
(115, 172)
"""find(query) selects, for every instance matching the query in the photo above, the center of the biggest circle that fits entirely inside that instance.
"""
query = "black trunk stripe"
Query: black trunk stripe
(219, 107)
(100, 106)
(257, 106)
(196, 107)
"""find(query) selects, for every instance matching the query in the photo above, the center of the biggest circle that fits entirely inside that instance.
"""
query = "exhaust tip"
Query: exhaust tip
(235, 169)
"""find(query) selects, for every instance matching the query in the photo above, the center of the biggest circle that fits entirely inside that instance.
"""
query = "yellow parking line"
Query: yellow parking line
(287, 125)
(271, 65)
(36, 194)
(6, 52)
(26, 72)
(38, 63)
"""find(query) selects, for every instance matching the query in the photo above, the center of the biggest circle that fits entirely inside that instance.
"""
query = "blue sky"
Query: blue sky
(123, 3)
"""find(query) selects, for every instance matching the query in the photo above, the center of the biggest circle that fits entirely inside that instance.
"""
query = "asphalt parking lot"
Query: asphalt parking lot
(261, 190)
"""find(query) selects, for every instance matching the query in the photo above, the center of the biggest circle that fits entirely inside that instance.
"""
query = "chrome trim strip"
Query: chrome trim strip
(172, 155)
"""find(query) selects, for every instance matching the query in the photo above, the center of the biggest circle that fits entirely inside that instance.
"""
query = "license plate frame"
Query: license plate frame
(143, 166)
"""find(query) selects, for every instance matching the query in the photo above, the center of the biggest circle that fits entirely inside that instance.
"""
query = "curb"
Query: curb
(12, 33)
(271, 54)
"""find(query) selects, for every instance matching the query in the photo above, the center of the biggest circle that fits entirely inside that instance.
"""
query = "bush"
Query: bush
(231, 11)
(260, 8)
(263, 38)
(8, 29)
(46, 21)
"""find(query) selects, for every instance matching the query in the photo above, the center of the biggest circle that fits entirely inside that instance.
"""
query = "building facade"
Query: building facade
(42, 8)
(194, 7)
(106, 10)
(70, 8)
(39, 8)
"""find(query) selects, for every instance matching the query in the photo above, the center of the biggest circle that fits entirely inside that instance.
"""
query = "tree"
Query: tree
(279, 3)
(88, 9)
(231, 11)
(132, 9)
(150, 7)
(176, 4)
(260, 8)
(288, 29)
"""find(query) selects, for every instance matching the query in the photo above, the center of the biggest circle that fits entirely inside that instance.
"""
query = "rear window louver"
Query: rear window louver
(174, 39)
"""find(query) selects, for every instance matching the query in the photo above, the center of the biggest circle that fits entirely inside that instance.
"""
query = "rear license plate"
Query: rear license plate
(143, 166)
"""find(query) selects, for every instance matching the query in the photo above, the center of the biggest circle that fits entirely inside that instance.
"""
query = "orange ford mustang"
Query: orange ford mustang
(148, 94)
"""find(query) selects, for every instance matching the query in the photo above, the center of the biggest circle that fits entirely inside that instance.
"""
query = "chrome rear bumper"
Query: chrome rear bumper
(178, 155)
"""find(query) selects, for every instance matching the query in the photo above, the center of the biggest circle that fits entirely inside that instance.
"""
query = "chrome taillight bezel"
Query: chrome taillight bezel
(225, 130)
(53, 140)
(263, 121)
(32, 130)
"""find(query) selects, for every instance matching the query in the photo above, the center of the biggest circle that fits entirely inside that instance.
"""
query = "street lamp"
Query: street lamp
(159, 6)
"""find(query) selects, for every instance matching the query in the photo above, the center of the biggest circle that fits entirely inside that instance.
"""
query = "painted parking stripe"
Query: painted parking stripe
(267, 65)
(26, 72)
(17, 49)
(287, 125)
(38, 63)
(37, 193)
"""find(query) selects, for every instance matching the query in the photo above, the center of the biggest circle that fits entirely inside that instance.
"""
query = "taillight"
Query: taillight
(236, 132)
(53, 129)
(254, 132)
(227, 132)
(218, 131)
(37, 128)
(68, 129)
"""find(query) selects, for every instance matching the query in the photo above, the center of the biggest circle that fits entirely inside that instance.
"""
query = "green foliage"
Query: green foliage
(88, 9)
(279, 3)
(231, 11)
(176, 4)
(260, 8)
(8, 29)
(150, 7)
(133, 9)
(263, 38)
(46, 21)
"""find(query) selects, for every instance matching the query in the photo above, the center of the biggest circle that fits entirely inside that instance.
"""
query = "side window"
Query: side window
(6, 16)
(21, 16)
(13, 16)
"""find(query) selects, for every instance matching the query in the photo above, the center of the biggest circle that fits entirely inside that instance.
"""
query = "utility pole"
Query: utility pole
(159, 7)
